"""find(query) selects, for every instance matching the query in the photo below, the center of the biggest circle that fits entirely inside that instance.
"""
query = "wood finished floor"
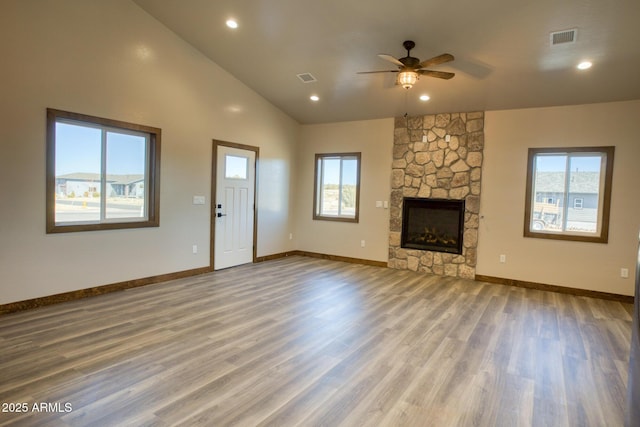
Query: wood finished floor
(305, 341)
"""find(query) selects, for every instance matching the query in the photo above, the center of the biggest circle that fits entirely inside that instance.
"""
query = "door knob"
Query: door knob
(220, 215)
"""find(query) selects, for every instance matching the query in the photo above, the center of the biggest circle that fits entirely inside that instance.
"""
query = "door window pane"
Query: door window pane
(236, 167)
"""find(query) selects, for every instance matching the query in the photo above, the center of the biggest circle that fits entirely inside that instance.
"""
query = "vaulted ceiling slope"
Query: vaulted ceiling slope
(504, 57)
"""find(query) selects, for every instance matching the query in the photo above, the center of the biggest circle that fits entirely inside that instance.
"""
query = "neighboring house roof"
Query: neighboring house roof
(581, 182)
(111, 178)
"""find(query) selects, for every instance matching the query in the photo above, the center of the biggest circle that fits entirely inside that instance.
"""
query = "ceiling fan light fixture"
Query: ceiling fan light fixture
(407, 79)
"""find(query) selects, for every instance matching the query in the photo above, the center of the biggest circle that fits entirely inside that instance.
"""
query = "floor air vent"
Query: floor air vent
(564, 36)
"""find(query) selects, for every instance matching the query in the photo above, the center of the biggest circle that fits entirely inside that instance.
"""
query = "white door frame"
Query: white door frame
(212, 220)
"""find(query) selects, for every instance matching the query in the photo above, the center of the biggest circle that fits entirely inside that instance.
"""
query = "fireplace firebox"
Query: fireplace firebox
(432, 224)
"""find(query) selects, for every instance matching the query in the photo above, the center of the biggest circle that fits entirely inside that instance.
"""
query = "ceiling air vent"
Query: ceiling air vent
(306, 78)
(563, 37)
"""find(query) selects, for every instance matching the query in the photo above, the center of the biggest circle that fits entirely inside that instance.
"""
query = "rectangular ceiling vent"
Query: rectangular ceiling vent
(564, 36)
(306, 78)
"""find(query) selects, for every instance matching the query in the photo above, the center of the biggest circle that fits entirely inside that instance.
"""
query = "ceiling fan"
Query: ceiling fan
(410, 68)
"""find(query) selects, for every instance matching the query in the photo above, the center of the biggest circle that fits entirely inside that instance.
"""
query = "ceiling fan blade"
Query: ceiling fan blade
(438, 74)
(440, 59)
(372, 72)
(391, 59)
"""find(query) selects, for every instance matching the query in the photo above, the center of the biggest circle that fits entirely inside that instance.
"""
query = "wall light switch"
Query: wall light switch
(386, 204)
(198, 200)
(378, 203)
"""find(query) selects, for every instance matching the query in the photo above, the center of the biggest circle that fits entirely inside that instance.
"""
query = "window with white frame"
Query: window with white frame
(101, 173)
(337, 187)
(578, 202)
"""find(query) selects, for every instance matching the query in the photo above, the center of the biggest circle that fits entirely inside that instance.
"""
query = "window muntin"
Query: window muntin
(337, 187)
(101, 173)
(568, 193)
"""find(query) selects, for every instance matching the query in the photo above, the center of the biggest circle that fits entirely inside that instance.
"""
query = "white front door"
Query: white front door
(234, 207)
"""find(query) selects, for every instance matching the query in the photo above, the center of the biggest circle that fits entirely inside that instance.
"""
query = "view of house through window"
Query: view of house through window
(337, 180)
(569, 193)
(102, 173)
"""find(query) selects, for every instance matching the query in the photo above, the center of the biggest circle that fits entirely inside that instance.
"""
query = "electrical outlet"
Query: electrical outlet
(362, 243)
(624, 273)
(290, 236)
(194, 248)
(503, 259)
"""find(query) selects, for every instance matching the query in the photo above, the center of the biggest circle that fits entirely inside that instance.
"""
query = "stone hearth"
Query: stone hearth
(437, 156)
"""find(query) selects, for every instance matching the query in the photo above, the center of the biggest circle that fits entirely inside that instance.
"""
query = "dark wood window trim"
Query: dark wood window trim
(153, 167)
(316, 215)
(605, 197)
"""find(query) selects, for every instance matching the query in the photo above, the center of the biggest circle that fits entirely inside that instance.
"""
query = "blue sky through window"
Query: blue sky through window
(332, 171)
(558, 163)
(78, 150)
(125, 153)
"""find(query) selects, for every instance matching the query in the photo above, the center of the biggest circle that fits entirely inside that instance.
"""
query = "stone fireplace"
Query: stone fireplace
(432, 225)
(436, 157)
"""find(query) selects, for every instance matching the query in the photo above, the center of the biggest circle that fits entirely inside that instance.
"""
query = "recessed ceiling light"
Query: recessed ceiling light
(585, 65)
(424, 97)
(314, 98)
(232, 23)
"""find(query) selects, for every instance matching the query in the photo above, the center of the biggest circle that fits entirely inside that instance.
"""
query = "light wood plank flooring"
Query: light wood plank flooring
(309, 342)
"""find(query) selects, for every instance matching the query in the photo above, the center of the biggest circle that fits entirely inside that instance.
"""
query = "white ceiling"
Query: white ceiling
(504, 58)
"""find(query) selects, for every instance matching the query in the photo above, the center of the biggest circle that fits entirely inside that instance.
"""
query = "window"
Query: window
(577, 203)
(337, 187)
(101, 173)
(568, 193)
(236, 167)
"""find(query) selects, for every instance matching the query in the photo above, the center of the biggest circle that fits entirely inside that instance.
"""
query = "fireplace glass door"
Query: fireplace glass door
(432, 224)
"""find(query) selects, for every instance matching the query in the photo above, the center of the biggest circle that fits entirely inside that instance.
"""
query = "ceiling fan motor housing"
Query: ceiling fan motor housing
(409, 61)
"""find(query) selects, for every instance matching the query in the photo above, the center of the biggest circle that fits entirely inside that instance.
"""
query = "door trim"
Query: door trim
(214, 172)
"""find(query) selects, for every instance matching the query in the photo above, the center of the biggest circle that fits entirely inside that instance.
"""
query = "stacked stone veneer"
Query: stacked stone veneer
(438, 169)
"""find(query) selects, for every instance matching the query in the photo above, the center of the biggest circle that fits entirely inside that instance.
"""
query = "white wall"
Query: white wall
(374, 139)
(592, 266)
(111, 59)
